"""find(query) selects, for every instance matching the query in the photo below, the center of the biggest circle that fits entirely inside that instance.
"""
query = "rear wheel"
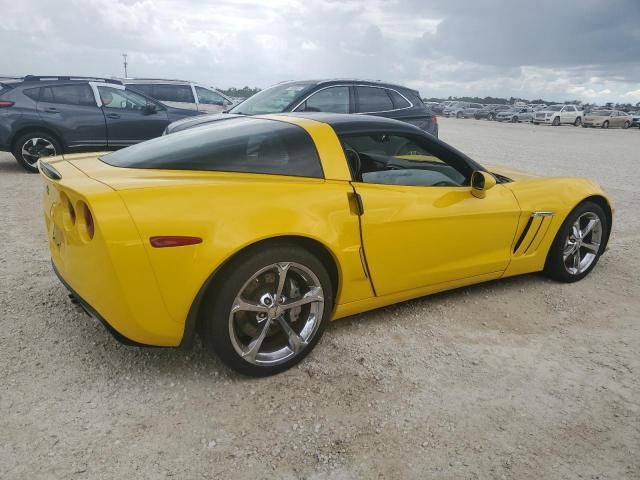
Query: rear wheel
(30, 147)
(578, 244)
(605, 124)
(459, 115)
(270, 311)
(491, 116)
(556, 122)
(626, 125)
(514, 119)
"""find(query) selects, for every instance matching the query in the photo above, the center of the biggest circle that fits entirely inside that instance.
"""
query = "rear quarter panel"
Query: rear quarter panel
(233, 211)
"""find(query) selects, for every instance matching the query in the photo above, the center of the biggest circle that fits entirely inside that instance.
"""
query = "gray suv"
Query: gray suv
(45, 116)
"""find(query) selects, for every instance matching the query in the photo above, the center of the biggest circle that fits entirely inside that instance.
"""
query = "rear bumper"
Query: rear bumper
(92, 312)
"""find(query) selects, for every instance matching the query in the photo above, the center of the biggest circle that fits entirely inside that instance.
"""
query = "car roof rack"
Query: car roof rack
(49, 78)
(155, 80)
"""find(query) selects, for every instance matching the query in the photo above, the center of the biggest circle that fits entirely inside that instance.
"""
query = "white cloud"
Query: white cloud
(477, 47)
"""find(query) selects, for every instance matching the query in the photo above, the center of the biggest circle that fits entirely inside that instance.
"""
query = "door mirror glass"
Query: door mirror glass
(481, 182)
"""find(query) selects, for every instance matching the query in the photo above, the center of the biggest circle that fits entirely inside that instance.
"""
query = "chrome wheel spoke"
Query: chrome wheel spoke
(569, 249)
(241, 305)
(589, 228)
(591, 246)
(313, 295)
(576, 260)
(283, 268)
(255, 344)
(296, 343)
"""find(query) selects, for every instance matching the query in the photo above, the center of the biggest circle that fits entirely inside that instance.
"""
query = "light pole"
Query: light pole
(124, 56)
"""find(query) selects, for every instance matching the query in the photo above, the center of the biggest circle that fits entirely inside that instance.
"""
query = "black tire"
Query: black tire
(459, 115)
(491, 116)
(577, 122)
(218, 304)
(514, 119)
(536, 123)
(605, 124)
(626, 125)
(29, 164)
(556, 122)
(555, 264)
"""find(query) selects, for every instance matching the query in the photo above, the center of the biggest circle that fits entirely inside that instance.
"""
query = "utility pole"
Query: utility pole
(124, 56)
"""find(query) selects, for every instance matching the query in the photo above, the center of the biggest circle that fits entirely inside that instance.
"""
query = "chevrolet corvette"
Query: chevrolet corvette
(255, 232)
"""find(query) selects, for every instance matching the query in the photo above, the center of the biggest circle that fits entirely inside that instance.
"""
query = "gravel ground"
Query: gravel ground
(516, 379)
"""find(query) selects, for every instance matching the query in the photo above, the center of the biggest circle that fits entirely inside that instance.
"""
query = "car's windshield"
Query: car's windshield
(555, 108)
(272, 100)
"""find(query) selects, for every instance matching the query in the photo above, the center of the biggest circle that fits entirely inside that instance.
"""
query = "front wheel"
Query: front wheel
(514, 120)
(626, 125)
(491, 116)
(270, 311)
(30, 147)
(605, 124)
(577, 122)
(578, 244)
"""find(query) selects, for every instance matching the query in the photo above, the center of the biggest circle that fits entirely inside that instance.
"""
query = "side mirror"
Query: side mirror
(149, 109)
(481, 182)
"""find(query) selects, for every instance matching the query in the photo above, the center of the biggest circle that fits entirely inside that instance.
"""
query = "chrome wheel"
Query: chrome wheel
(582, 245)
(276, 314)
(37, 147)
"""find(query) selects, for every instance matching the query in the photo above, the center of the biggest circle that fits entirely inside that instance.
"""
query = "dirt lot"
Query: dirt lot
(517, 379)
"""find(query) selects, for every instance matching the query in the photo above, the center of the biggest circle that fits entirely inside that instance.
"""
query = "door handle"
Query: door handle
(51, 110)
(113, 115)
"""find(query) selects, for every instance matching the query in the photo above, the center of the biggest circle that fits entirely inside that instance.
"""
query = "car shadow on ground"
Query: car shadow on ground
(89, 338)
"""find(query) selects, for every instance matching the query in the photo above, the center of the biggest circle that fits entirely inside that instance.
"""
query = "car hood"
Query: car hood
(511, 173)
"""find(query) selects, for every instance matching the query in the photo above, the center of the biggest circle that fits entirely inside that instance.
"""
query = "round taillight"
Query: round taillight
(86, 224)
(88, 221)
(68, 212)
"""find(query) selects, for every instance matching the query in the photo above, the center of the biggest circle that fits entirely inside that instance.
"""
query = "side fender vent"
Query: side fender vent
(533, 233)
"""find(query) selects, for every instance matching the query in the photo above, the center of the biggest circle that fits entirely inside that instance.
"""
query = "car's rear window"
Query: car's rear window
(249, 145)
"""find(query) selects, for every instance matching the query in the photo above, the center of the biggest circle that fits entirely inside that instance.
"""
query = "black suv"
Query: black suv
(44, 116)
(334, 96)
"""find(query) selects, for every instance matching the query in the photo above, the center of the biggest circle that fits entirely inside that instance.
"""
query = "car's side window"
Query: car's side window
(373, 99)
(398, 100)
(208, 97)
(173, 93)
(402, 159)
(146, 89)
(332, 99)
(122, 99)
(69, 95)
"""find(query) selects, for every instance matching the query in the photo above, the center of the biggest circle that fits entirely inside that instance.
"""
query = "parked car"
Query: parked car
(636, 120)
(340, 96)
(45, 116)
(515, 115)
(607, 118)
(462, 109)
(181, 94)
(490, 111)
(226, 230)
(559, 114)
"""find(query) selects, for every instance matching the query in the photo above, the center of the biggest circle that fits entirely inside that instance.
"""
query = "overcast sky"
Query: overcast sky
(554, 49)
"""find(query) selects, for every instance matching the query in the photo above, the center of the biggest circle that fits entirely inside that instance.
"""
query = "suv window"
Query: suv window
(398, 160)
(32, 93)
(122, 99)
(373, 99)
(146, 89)
(249, 145)
(398, 100)
(69, 95)
(333, 99)
(209, 97)
(173, 93)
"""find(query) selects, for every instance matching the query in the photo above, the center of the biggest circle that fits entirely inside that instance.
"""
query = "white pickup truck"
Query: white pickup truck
(558, 114)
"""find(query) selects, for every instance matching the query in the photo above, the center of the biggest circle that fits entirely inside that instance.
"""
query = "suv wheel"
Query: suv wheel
(459, 115)
(31, 146)
(578, 122)
(556, 121)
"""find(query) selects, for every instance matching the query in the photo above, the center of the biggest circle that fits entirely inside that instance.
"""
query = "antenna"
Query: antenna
(124, 56)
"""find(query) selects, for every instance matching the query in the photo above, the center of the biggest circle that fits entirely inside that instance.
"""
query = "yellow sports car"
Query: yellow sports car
(257, 231)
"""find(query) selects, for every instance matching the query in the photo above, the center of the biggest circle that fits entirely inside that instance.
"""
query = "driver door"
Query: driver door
(129, 120)
(420, 224)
